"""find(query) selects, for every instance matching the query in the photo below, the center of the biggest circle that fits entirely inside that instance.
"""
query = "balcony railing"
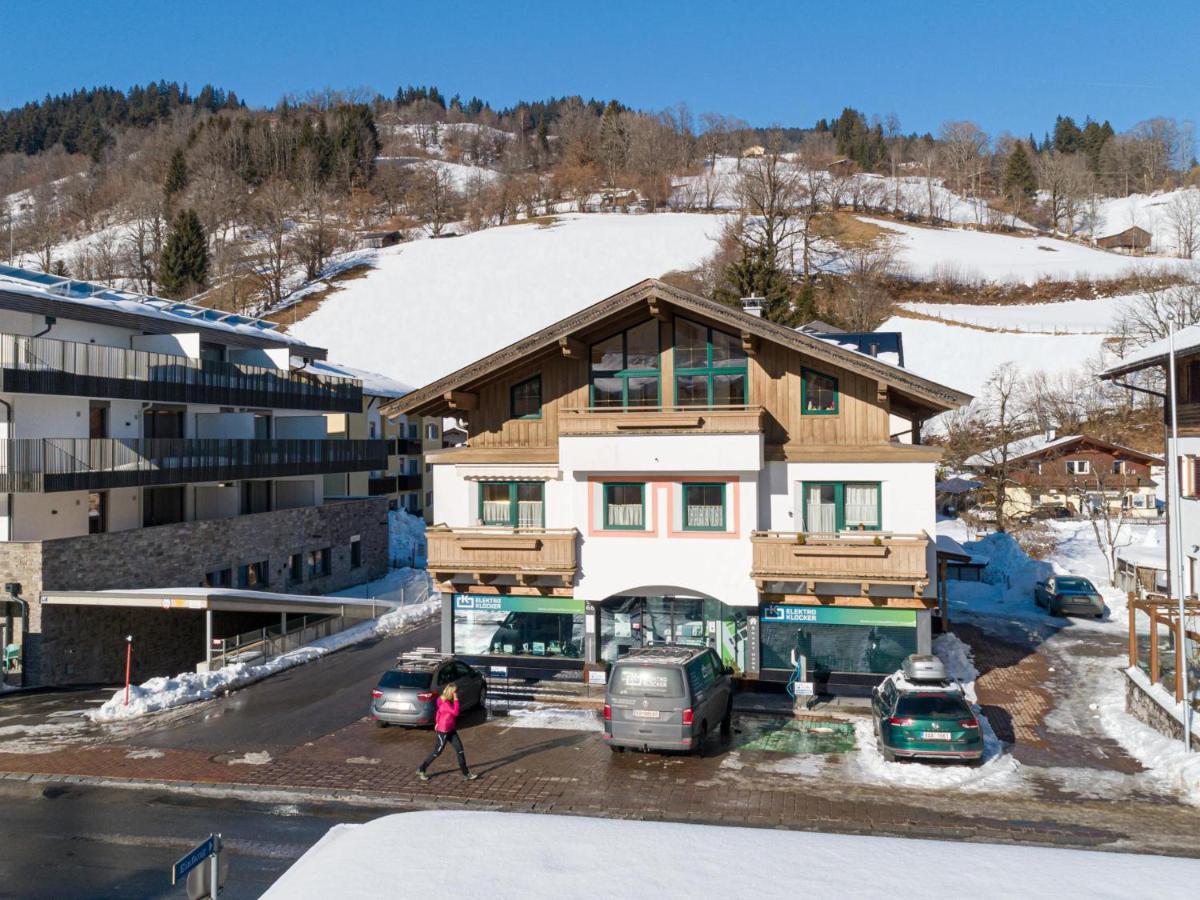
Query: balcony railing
(30, 365)
(862, 558)
(479, 555)
(385, 484)
(32, 465)
(605, 420)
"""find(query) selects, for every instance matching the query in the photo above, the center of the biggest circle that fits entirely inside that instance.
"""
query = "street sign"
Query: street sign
(193, 858)
(803, 688)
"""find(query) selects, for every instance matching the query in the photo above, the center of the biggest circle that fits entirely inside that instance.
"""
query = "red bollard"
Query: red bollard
(128, 663)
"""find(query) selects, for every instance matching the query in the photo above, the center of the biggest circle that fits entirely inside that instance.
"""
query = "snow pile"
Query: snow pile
(522, 855)
(499, 285)
(406, 538)
(553, 718)
(163, 692)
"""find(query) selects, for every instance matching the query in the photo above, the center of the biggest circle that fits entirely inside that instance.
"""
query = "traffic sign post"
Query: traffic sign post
(202, 881)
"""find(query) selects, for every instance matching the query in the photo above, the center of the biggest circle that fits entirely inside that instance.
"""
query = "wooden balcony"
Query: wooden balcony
(481, 555)
(606, 420)
(862, 558)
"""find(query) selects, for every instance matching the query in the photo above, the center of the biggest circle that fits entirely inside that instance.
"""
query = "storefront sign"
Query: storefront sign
(498, 603)
(840, 615)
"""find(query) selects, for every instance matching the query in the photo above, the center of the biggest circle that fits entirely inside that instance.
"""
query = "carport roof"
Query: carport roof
(217, 599)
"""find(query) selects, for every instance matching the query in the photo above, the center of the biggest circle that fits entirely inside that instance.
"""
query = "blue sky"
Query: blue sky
(1008, 66)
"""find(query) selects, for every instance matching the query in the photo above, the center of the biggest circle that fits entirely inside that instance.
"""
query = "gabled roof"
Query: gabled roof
(1039, 444)
(930, 395)
(1187, 343)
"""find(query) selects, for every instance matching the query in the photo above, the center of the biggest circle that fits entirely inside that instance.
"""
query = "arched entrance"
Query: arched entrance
(655, 615)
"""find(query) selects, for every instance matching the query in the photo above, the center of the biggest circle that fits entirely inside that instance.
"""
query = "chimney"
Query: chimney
(1051, 434)
(753, 305)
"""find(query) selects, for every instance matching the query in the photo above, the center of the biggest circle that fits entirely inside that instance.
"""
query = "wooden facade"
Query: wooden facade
(870, 558)
(530, 554)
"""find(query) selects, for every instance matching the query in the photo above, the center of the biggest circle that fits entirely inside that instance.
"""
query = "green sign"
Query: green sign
(840, 615)
(500, 603)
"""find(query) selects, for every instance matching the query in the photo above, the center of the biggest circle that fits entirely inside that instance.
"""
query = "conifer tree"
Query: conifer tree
(1019, 182)
(177, 176)
(183, 269)
(754, 273)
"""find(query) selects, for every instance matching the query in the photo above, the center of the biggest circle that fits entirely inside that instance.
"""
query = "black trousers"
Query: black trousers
(442, 740)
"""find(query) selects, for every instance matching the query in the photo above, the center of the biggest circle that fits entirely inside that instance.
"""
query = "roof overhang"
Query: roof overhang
(921, 396)
(200, 600)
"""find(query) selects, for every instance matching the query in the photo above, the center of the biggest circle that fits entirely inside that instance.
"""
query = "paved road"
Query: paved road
(81, 841)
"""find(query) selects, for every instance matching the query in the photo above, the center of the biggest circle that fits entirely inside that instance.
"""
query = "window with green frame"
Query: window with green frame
(703, 506)
(624, 368)
(818, 393)
(710, 366)
(512, 504)
(831, 506)
(525, 399)
(624, 506)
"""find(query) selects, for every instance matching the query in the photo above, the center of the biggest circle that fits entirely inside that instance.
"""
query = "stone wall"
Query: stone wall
(1150, 712)
(57, 641)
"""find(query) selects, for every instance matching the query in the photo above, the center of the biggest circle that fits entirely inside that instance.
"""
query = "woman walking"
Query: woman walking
(445, 726)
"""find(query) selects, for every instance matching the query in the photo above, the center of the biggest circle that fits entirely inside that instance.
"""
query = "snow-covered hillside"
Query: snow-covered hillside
(1159, 213)
(974, 256)
(430, 307)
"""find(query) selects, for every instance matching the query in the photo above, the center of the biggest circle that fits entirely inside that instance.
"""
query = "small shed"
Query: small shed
(1132, 238)
(376, 240)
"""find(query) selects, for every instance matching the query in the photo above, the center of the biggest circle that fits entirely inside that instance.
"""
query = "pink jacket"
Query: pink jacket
(447, 716)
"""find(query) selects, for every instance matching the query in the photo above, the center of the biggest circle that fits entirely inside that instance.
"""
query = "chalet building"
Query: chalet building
(1183, 460)
(151, 444)
(405, 483)
(1134, 239)
(660, 468)
(1075, 473)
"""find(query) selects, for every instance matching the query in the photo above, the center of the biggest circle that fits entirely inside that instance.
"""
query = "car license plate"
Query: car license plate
(644, 713)
(398, 705)
(935, 735)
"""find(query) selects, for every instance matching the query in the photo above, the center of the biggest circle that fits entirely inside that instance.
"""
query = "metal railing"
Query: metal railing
(34, 465)
(34, 365)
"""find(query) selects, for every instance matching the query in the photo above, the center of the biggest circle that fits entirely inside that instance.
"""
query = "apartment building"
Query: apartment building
(152, 444)
(660, 468)
(405, 483)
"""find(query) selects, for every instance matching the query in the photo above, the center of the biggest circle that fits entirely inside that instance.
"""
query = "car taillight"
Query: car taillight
(607, 713)
(687, 716)
(425, 696)
(968, 723)
(899, 720)
(376, 694)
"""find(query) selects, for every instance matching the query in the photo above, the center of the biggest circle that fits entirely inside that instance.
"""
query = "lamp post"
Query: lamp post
(1176, 495)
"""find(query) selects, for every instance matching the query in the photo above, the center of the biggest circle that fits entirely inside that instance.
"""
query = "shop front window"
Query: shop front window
(837, 639)
(518, 626)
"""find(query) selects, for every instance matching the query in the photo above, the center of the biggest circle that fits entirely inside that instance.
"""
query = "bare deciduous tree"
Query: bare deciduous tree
(1183, 215)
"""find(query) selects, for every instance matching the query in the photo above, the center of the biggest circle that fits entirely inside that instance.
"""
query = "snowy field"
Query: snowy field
(526, 855)
(964, 358)
(971, 256)
(1154, 212)
(1095, 316)
(430, 307)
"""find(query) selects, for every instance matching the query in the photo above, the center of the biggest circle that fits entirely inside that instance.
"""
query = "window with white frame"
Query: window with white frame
(1079, 467)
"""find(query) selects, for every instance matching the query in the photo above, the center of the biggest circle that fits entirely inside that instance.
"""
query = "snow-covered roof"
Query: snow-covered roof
(1039, 443)
(99, 298)
(1187, 341)
(957, 485)
(373, 384)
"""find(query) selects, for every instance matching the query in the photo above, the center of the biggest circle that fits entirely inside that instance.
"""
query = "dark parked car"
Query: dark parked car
(1069, 595)
(919, 713)
(407, 694)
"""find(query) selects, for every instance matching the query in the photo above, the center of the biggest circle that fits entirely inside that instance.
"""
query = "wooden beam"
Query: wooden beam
(1133, 647)
(749, 343)
(658, 310)
(572, 348)
(461, 400)
(881, 392)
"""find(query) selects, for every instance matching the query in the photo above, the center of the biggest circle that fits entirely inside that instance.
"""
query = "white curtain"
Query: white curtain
(626, 515)
(862, 505)
(529, 514)
(822, 517)
(704, 516)
(495, 512)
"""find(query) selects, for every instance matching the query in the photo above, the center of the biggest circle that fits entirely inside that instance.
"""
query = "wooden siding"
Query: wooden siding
(502, 551)
(670, 420)
(774, 375)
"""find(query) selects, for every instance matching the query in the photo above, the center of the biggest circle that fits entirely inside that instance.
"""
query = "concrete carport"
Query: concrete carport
(169, 622)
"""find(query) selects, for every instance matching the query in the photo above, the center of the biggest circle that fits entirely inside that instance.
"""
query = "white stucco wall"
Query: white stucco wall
(238, 426)
(176, 344)
(45, 516)
(38, 416)
(661, 453)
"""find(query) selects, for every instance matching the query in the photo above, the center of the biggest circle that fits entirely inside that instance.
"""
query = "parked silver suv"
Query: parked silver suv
(407, 694)
(667, 698)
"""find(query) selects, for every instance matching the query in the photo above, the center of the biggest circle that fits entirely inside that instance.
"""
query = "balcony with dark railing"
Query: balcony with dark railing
(30, 365)
(36, 465)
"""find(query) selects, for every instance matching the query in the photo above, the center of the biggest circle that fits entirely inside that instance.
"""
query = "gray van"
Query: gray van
(667, 698)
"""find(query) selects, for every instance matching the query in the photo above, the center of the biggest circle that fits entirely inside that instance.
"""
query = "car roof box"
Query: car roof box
(921, 667)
